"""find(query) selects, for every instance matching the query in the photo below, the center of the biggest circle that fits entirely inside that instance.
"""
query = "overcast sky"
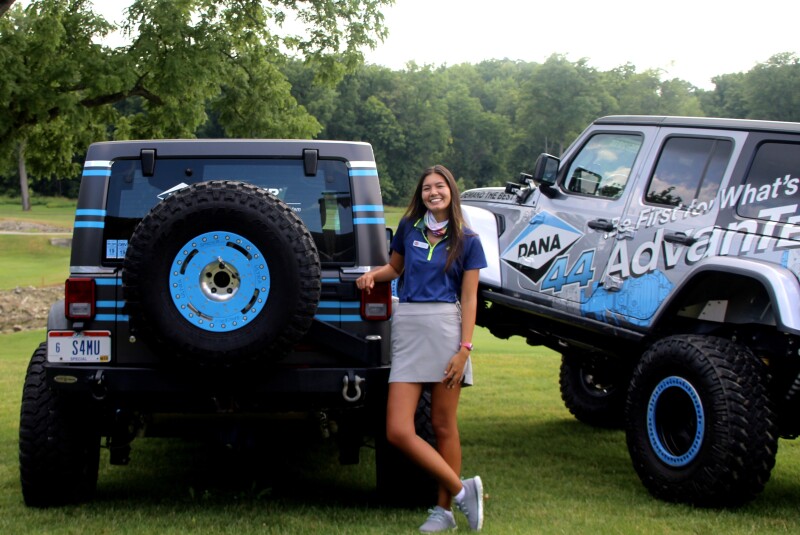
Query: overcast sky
(689, 39)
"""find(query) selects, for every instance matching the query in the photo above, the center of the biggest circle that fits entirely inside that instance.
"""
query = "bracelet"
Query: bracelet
(468, 345)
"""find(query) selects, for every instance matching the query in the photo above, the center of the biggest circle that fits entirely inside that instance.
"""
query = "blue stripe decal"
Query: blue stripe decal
(110, 304)
(330, 281)
(108, 282)
(339, 304)
(89, 212)
(89, 224)
(367, 208)
(111, 317)
(336, 317)
(97, 172)
(368, 221)
(363, 172)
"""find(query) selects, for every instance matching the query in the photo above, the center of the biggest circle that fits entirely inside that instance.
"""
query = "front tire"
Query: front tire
(699, 422)
(59, 452)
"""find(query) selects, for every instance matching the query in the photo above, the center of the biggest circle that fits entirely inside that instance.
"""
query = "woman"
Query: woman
(431, 337)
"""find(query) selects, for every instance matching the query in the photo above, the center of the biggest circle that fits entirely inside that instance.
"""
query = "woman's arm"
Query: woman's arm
(385, 273)
(469, 308)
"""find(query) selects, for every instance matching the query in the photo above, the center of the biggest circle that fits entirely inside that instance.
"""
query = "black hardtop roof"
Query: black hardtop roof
(211, 148)
(701, 122)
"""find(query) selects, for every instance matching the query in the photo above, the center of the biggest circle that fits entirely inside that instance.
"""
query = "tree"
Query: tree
(645, 93)
(557, 103)
(46, 57)
(728, 98)
(772, 89)
(479, 148)
(183, 59)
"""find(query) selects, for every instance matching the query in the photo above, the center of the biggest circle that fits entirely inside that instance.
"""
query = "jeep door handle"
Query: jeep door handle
(601, 224)
(679, 237)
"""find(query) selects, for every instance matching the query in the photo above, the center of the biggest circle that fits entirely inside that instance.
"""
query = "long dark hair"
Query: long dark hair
(455, 226)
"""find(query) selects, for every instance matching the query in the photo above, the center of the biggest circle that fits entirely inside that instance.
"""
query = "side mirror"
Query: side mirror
(545, 171)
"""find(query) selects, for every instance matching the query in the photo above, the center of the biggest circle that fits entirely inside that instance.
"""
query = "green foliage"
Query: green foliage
(47, 58)
(772, 89)
(60, 90)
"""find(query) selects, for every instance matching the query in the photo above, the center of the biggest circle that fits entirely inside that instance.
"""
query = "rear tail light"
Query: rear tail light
(377, 304)
(79, 298)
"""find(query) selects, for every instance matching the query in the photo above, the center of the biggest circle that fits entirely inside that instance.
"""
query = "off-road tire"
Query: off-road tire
(264, 240)
(59, 452)
(699, 422)
(594, 389)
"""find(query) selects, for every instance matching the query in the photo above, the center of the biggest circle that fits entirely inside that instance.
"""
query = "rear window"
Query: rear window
(772, 182)
(689, 170)
(323, 201)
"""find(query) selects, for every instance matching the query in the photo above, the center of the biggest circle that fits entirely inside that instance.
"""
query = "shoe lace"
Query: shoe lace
(463, 508)
(438, 514)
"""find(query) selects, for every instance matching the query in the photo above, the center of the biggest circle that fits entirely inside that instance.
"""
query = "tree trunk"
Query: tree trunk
(23, 177)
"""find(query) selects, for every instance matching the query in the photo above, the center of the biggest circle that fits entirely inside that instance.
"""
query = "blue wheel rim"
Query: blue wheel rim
(219, 281)
(675, 421)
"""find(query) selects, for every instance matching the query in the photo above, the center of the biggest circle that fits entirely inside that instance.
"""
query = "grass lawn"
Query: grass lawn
(49, 210)
(544, 472)
(30, 260)
(392, 215)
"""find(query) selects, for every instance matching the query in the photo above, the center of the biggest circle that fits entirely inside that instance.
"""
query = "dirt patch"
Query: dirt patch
(26, 307)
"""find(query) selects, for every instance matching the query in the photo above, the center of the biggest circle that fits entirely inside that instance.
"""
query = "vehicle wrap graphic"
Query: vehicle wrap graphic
(637, 300)
(545, 238)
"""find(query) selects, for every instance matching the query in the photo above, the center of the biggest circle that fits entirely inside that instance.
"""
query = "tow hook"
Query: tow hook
(98, 388)
(356, 381)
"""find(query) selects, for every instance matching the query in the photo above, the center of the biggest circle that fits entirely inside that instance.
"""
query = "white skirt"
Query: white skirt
(425, 336)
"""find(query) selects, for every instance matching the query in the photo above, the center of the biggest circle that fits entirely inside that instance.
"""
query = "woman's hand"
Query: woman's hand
(366, 282)
(385, 273)
(454, 373)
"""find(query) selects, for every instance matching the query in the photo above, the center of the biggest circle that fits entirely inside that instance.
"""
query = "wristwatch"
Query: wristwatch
(468, 345)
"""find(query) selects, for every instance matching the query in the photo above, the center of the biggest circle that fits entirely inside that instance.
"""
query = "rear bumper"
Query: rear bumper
(163, 389)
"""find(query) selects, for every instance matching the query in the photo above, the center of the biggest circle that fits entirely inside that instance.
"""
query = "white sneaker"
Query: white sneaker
(472, 504)
(440, 520)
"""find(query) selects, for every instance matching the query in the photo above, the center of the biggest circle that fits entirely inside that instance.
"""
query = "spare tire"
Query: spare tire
(220, 273)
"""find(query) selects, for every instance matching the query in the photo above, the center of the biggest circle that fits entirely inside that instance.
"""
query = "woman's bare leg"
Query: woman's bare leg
(444, 408)
(400, 431)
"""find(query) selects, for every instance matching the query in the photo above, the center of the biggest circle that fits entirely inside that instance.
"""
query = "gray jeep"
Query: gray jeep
(660, 256)
(211, 290)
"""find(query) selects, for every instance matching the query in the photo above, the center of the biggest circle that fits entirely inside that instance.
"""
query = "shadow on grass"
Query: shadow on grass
(294, 465)
(546, 460)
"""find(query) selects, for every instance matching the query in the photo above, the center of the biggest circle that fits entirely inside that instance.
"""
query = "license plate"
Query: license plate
(84, 346)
